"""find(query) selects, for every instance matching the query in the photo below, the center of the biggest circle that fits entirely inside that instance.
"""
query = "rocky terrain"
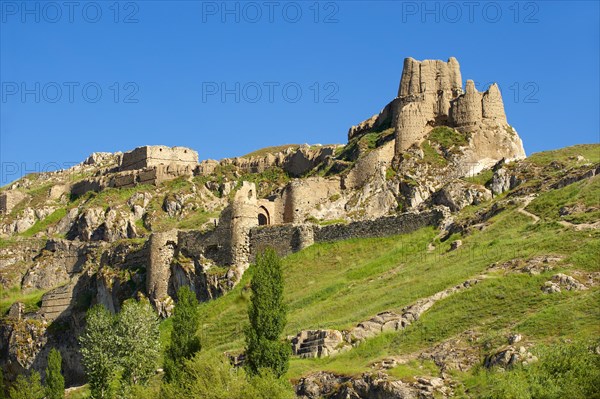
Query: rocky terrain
(390, 240)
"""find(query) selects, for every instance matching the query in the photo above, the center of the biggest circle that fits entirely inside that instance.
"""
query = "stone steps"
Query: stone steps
(57, 301)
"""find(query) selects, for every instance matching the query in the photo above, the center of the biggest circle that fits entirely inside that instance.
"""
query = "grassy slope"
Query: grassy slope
(336, 285)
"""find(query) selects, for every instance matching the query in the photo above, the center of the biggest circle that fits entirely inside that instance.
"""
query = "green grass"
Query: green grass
(336, 285)
(270, 150)
(447, 137)
(82, 392)
(431, 156)
(113, 196)
(482, 178)
(591, 153)
(42, 225)
(586, 193)
(32, 300)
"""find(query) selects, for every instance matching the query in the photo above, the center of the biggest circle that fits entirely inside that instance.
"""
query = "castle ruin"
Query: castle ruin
(431, 94)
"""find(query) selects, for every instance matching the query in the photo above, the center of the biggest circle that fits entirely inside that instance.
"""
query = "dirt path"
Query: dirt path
(521, 210)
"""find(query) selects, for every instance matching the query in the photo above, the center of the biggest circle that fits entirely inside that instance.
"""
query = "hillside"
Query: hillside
(513, 244)
(428, 257)
(337, 285)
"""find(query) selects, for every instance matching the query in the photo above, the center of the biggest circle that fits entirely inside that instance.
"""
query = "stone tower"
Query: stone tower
(244, 216)
(430, 95)
(158, 273)
(424, 98)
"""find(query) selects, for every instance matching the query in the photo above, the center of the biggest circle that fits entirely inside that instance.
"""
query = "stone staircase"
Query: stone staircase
(57, 301)
(317, 343)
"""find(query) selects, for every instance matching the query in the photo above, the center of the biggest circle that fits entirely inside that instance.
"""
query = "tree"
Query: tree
(55, 382)
(98, 351)
(2, 385)
(267, 315)
(137, 339)
(184, 341)
(27, 388)
(122, 349)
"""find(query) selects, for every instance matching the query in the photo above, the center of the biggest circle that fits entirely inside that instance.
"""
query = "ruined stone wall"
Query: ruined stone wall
(302, 195)
(284, 239)
(244, 215)
(411, 123)
(150, 156)
(214, 245)
(152, 175)
(162, 248)
(467, 110)
(424, 98)
(381, 227)
(493, 106)
(9, 199)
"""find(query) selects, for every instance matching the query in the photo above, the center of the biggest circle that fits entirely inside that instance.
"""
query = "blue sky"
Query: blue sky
(228, 78)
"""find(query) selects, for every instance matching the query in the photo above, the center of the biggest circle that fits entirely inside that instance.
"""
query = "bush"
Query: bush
(98, 351)
(27, 388)
(212, 377)
(563, 371)
(120, 350)
(137, 341)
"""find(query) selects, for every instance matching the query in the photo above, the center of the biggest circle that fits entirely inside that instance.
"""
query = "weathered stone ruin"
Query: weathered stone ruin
(130, 248)
(431, 94)
(158, 156)
(9, 199)
(143, 165)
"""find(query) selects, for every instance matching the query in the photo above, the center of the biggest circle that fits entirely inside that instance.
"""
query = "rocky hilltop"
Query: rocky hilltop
(148, 221)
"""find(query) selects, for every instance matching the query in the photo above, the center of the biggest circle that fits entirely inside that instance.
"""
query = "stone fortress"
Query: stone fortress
(383, 187)
(430, 94)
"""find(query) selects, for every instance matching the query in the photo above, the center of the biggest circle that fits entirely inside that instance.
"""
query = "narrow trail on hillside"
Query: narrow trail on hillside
(523, 211)
(581, 226)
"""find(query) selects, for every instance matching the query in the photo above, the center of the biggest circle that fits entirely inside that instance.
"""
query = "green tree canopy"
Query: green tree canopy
(27, 387)
(98, 351)
(55, 382)
(267, 314)
(184, 339)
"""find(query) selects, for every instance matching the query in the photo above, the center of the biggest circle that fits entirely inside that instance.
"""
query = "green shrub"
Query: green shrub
(27, 387)
(212, 377)
(563, 371)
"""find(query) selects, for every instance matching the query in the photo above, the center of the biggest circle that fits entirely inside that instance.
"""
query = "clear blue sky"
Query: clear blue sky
(161, 74)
